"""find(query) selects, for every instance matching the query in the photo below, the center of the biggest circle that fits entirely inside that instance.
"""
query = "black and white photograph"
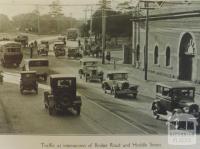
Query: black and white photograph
(99, 68)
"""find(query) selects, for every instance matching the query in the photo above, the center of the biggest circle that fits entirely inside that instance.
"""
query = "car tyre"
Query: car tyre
(156, 109)
(78, 110)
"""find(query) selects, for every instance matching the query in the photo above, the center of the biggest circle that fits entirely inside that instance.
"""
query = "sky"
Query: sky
(14, 7)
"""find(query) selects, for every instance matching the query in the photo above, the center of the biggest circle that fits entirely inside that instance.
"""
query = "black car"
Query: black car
(62, 95)
(174, 96)
(28, 81)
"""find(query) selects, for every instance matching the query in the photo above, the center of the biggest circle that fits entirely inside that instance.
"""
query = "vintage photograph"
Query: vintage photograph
(100, 67)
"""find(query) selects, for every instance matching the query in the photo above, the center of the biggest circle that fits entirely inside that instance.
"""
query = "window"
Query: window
(138, 53)
(156, 55)
(38, 63)
(168, 56)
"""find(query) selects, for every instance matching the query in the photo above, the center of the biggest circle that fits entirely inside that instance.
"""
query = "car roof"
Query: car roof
(58, 42)
(44, 41)
(9, 42)
(117, 72)
(57, 76)
(88, 60)
(32, 59)
(23, 72)
(176, 84)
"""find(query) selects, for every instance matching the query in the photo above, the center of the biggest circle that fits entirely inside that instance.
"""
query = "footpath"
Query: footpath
(147, 88)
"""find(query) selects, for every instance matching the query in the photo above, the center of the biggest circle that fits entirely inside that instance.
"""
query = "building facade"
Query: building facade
(174, 45)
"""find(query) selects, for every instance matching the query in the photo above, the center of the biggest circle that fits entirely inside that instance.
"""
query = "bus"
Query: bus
(72, 34)
(10, 53)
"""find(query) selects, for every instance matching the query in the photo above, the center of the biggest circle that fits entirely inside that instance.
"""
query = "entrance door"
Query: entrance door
(185, 58)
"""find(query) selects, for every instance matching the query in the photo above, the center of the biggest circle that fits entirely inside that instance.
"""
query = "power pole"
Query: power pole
(146, 4)
(38, 18)
(70, 20)
(91, 21)
(135, 37)
(147, 40)
(103, 30)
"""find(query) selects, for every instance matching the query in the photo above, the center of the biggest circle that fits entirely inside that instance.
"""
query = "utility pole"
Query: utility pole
(146, 4)
(103, 30)
(135, 37)
(70, 20)
(147, 39)
(38, 18)
(91, 21)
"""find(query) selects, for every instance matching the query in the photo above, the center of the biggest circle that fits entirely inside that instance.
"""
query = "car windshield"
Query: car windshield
(118, 76)
(13, 49)
(184, 94)
(90, 63)
(28, 75)
(38, 63)
(64, 83)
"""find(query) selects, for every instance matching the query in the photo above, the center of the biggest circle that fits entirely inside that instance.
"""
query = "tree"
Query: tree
(5, 23)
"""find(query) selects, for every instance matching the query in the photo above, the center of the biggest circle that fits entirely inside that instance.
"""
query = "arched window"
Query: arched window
(168, 56)
(138, 53)
(156, 55)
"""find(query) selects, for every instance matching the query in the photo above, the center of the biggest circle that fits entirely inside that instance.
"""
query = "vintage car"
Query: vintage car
(90, 70)
(62, 38)
(43, 48)
(62, 96)
(1, 77)
(74, 52)
(117, 83)
(28, 81)
(41, 66)
(10, 53)
(172, 97)
(23, 39)
(59, 48)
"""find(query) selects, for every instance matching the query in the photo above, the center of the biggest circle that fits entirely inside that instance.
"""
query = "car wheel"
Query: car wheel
(52, 111)
(156, 109)
(115, 94)
(134, 95)
(36, 90)
(21, 91)
(78, 110)
(86, 78)
(45, 78)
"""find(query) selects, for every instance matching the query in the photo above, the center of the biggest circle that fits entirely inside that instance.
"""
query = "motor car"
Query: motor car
(174, 97)
(59, 48)
(89, 69)
(62, 38)
(74, 52)
(1, 77)
(28, 81)
(23, 39)
(43, 48)
(40, 65)
(10, 53)
(62, 96)
(117, 83)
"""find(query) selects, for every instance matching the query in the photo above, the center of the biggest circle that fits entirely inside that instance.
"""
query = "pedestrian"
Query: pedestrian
(31, 46)
(108, 56)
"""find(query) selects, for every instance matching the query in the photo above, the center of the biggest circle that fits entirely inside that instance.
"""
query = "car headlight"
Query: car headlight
(186, 109)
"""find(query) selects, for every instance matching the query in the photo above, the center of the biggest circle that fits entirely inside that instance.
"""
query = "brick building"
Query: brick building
(174, 41)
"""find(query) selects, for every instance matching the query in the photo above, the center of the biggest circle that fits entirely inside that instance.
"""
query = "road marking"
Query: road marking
(125, 121)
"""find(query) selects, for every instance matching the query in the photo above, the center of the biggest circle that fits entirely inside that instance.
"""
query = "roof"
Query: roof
(22, 72)
(40, 59)
(88, 60)
(176, 84)
(62, 76)
(58, 42)
(9, 42)
(115, 72)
